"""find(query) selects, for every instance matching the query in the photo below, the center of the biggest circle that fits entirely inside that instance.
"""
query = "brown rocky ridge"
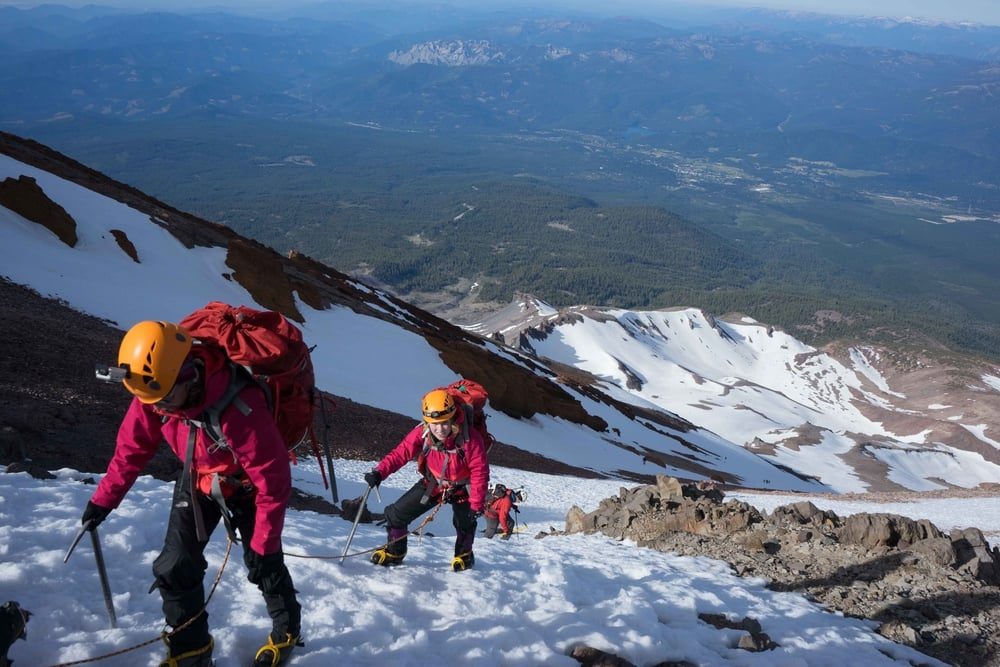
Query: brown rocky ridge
(937, 592)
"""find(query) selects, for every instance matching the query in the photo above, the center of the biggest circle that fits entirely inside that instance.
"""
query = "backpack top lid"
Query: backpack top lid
(263, 340)
(470, 392)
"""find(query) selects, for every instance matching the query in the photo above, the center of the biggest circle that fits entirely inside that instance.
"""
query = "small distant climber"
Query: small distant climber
(498, 513)
(454, 469)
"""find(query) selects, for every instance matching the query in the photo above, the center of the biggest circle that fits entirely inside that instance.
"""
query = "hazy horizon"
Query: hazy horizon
(976, 11)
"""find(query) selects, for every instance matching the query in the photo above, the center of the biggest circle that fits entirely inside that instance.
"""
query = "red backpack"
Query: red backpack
(263, 347)
(471, 397)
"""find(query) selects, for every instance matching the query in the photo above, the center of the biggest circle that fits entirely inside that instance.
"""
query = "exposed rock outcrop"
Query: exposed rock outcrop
(27, 199)
(939, 593)
(125, 243)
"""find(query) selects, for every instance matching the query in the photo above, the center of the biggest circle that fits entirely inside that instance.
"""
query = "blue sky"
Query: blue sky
(981, 11)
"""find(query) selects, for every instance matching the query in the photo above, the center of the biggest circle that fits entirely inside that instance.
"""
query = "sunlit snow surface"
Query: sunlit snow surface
(754, 385)
(526, 601)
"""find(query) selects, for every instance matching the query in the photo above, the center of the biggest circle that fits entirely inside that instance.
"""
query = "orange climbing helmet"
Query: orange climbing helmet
(438, 407)
(153, 353)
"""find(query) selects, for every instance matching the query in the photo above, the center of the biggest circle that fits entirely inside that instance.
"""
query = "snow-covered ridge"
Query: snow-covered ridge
(761, 388)
(454, 53)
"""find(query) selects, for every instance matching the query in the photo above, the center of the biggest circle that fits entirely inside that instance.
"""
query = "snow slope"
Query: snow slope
(525, 602)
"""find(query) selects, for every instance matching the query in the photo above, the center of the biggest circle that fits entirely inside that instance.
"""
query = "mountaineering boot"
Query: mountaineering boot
(385, 558)
(395, 549)
(275, 653)
(199, 657)
(463, 561)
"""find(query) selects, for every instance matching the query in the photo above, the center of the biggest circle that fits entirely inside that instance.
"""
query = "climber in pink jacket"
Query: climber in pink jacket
(454, 469)
(240, 475)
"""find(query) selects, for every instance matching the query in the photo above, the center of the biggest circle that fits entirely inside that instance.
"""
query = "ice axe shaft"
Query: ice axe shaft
(357, 519)
(333, 475)
(102, 572)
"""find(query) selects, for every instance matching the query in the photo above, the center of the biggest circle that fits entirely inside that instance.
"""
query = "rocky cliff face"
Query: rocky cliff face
(24, 197)
(937, 592)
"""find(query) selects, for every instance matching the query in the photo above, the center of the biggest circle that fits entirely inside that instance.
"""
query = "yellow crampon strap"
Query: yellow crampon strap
(275, 652)
(175, 660)
(384, 557)
(458, 563)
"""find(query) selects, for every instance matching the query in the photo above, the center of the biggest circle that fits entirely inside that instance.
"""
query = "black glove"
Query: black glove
(373, 478)
(505, 536)
(94, 515)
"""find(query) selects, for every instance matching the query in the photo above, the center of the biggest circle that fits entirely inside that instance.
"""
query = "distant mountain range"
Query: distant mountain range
(611, 76)
(774, 163)
(615, 392)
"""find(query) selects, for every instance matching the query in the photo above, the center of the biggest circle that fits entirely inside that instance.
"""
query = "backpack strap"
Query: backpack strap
(432, 483)
(211, 419)
(199, 520)
(210, 422)
(463, 437)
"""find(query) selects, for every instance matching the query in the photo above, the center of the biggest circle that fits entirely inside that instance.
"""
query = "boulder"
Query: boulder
(670, 488)
(876, 531)
(937, 550)
(974, 556)
(592, 657)
(805, 513)
(25, 197)
(578, 522)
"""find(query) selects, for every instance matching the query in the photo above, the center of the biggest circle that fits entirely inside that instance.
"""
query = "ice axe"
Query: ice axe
(326, 448)
(333, 475)
(357, 519)
(101, 570)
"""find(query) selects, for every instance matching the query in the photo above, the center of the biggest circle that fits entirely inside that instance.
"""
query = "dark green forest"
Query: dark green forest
(419, 212)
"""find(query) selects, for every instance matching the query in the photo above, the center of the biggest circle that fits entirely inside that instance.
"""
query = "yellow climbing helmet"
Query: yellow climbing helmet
(153, 353)
(438, 407)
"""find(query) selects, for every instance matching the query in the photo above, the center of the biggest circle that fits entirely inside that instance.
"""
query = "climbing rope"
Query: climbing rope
(218, 577)
(418, 529)
(163, 636)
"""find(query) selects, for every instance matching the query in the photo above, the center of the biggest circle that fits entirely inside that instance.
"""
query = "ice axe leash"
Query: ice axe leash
(357, 520)
(102, 572)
